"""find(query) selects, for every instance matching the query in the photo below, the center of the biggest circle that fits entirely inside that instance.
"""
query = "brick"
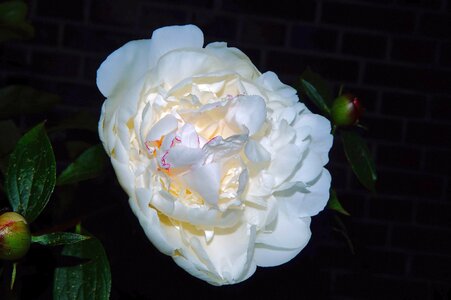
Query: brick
(409, 185)
(413, 50)
(14, 57)
(383, 128)
(46, 33)
(153, 17)
(335, 257)
(329, 68)
(365, 45)
(430, 134)
(216, 26)
(389, 209)
(441, 108)
(430, 240)
(437, 161)
(314, 38)
(412, 78)
(72, 10)
(376, 1)
(445, 54)
(369, 17)
(80, 94)
(383, 262)
(432, 267)
(123, 13)
(435, 25)
(436, 214)
(430, 4)
(285, 9)
(368, 234)
(363, 285)
(56, 64)
(90, 67)
(253, 54)
(95, 40)
(402, 157)
(263, 32)
(74, 94)
(194, 3)
(404, 104)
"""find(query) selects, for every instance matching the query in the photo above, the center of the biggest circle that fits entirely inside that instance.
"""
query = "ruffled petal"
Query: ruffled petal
(123, 67)
(205, 180)
(247, 113)
(300, 204)
(164, 126)
(255, 152)
(170, 38)
(288, 237)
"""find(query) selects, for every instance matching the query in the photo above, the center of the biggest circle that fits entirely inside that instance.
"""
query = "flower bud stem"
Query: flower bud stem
(13, 276)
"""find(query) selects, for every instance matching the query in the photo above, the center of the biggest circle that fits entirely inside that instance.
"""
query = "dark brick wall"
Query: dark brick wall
(394, 54)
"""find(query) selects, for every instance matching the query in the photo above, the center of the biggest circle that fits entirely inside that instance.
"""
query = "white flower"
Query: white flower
(223, 165)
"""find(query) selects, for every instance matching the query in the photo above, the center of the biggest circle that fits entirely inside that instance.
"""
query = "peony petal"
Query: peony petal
(247, 112)
(320, 134)
(255, 152)
(311, 168)
(299, 204)
(205, 180)
(188, 136)
(123, 67)
(203, 217)
(170, 38)
(148, 218)
(284, 163)
(164, 126)
(218, 148)
(187, 62)
(287, 232)
(266, 256)
(226, 259)
(288, 238)
(236, 60)
(181, 156)
(282, 91)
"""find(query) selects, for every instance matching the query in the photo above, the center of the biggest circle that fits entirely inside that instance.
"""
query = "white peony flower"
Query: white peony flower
(223, 165)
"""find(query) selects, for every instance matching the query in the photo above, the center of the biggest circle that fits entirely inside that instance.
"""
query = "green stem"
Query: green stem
(13, 276)
(340, 91)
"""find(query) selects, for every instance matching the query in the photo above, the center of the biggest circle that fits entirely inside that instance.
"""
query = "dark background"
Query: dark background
(394, 54)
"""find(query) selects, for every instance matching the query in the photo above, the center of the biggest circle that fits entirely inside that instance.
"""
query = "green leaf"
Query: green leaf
(18, 100)
(320, 84)
(312, 94)
(12, 21)
(31, 174)
(12, 11)
(91, 280)
(334, 204)
(59, 238)
(89, 164)
(359, 158)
